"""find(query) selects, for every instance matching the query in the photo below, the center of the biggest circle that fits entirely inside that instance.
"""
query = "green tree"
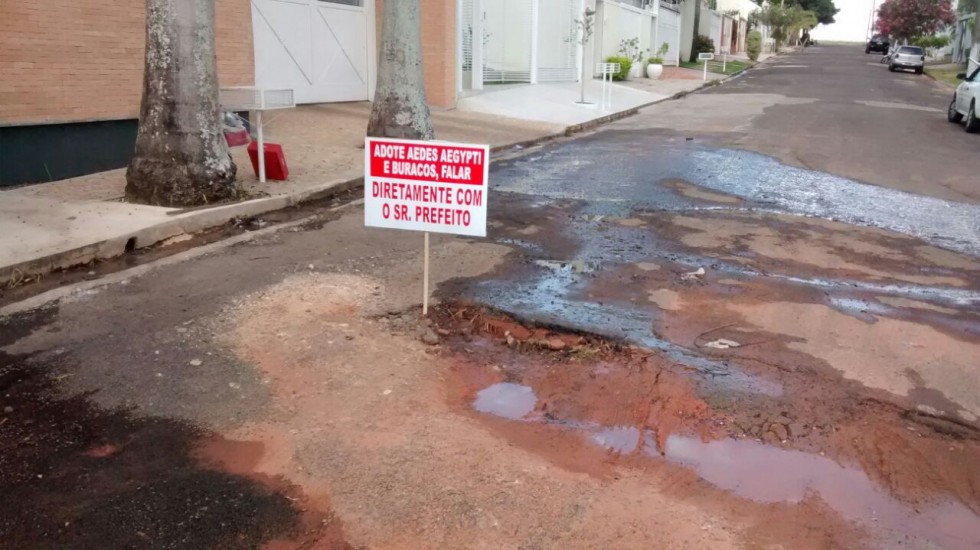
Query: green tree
(825, 10)
(181, 157)
(400, 109)
(753, 45)
(784, 22)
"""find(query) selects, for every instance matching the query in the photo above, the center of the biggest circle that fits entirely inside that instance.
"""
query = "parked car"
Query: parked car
(907, 57)
(877, 44)
(965, 100)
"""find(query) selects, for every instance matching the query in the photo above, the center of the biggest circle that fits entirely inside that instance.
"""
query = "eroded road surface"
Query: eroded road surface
(669, 340)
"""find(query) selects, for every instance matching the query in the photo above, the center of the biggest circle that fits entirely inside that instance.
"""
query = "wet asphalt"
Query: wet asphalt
(578, 188)
(863, 123)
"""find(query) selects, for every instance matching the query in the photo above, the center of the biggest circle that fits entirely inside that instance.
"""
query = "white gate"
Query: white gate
(318, 48)
(516, 41)
(557, 50)
(669, 31)
(507, 37)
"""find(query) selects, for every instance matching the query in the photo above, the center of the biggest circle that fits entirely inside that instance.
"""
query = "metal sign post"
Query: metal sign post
(607, 70)
(705, 57)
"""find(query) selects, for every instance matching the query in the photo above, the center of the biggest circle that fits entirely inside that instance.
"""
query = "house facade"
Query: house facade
(71, 72)
(727, 25)
(620, 20)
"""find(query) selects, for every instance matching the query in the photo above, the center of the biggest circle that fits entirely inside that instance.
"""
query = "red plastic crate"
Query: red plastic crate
(236, 137)
(275, 161)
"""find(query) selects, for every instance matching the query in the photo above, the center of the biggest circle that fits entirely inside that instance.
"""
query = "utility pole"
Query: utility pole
(871, 20)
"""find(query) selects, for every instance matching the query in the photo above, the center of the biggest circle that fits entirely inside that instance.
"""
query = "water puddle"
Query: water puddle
(622, 439)
(506, 400)
(765, 474)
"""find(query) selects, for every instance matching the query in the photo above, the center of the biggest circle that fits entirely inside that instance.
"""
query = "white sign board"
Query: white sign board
(706, 56)
(432, 186)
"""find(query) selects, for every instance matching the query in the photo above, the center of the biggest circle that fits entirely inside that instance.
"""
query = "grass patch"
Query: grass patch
(946, 75)
(731, 67)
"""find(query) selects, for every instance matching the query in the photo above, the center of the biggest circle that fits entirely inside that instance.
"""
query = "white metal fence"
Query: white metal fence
(517, 41)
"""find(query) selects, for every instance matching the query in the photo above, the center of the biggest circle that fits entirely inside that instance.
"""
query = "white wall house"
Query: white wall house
(618, 20)
(738, 11)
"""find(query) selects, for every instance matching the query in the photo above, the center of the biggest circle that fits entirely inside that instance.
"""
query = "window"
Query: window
(911, 50)
(975, 77)
(357, 3)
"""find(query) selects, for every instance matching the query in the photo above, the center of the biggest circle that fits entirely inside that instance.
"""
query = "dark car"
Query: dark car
(877, 44)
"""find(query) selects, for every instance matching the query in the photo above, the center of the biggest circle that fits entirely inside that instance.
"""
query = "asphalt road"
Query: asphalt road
(794, 252)
(837, 110)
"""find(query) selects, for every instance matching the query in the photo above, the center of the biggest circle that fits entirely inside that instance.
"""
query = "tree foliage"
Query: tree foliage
(910, 19)
(825, 10)
(785, 22)
(753, 45)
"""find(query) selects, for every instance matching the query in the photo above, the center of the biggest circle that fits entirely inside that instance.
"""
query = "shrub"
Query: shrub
(753, 45)
(703, 44)
(625, 64)
(630, 49)
(655, 61)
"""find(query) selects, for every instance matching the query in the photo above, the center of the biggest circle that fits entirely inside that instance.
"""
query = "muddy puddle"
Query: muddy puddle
(637, 409)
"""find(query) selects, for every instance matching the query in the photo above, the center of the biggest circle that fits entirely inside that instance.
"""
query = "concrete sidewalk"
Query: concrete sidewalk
(60, 224)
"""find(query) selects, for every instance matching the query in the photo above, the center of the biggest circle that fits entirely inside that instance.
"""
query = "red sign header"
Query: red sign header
(427, 162)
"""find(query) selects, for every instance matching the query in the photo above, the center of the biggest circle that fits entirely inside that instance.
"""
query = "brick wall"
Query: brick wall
(74, 60)
(438, 50)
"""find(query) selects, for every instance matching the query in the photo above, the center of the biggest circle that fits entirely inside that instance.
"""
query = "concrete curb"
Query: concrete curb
(190, 222)
(200, 219)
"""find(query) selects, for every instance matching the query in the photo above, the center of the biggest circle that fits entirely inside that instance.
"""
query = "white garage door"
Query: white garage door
(669, 31)
(318, 48)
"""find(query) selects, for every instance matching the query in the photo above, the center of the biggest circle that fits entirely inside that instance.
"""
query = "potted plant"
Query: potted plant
(630, 49)
(656, 64)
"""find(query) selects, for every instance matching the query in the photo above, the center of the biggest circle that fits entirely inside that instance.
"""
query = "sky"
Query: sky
(851, 22)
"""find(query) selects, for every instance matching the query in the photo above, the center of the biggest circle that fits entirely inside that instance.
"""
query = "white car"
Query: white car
(965, 102)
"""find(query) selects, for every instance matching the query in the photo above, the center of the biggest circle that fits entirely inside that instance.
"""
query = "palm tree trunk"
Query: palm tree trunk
(697, 31)
(181, 157)
(400, 109)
